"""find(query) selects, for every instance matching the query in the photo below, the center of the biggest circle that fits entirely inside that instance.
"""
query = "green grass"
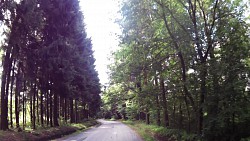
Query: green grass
(141, 129)
(159, 133)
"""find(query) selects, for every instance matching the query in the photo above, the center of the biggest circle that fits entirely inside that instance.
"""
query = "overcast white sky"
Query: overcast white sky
(99, 19)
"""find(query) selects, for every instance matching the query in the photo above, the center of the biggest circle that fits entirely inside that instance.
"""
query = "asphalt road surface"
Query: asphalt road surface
(107, 131)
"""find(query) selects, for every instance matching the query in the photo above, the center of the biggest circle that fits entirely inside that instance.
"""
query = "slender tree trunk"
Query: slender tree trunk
(55, 109)
(164, 103)
(138, 86)
(182, 62)
(37, 106)
(174, 112)
(59, 107)
(41, 107)
(72, 116)
(17, 93)
(76, 112)
(5, 88)
(202, 100)
(213, 110)
(23, 111)
(47, 107)
(181, 118)
(51, 109)
(11, 94)
(62, 108)
(34, 107)
(66, 110)
(31, 109)
(188, 112)
(158, 112)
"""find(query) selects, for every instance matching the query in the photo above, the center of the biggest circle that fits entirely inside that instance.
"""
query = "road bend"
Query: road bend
(107, 131)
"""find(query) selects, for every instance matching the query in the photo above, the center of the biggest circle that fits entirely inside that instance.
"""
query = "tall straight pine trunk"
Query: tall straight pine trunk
(17, 94)
(55, 116)
(72, 116)
(11, 94)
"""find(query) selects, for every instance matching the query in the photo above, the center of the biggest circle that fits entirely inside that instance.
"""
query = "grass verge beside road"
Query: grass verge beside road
(159, 133)
(43, 134)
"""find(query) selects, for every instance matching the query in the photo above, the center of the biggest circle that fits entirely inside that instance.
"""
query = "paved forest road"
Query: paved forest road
(108, 131)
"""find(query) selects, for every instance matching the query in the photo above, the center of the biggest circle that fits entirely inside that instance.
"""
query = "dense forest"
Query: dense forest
(184, 65)
(48, 73)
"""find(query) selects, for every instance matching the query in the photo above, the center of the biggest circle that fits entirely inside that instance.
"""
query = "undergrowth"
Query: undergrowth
(159, 133)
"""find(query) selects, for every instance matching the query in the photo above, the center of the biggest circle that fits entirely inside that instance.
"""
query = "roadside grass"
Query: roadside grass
(159, 133)
(141, 129)
(45, 133)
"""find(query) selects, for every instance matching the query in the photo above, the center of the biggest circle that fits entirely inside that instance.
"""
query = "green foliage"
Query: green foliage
(185, 63)
(153, 132)
(47, 56)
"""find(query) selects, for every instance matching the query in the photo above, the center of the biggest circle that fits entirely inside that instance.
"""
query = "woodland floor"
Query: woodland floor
(45, 133)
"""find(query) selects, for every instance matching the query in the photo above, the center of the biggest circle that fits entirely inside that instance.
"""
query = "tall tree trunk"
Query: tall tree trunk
(37, 106)
(47, 107)
(55, 109)
(11, 94)
(158, 112)
(23, 111)
(34, 107)
(72, 116)
(202, 99)
(51, 109)
(174, 111)
(188, 112)
(17, 94)
(41, 107)
(76, 112)
(182, 62)
(180, 118)
(62, 107)
(31, 109)
(7, 61)
(66, 110)
(164, 103)
(213, 110)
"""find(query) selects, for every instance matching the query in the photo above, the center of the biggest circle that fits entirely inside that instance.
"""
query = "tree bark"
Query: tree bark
(4, 89)
(50, 109)
(11, 94)
(72, 116)
(76, 112)
(158, 112)
(55, 109)
(17, 94)
(164, 103)
(47, 107)
(202, 99)
(23, 111)
(66, 110)
(37, 106)
(34, 107)
(41, 107)
(31, 109)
